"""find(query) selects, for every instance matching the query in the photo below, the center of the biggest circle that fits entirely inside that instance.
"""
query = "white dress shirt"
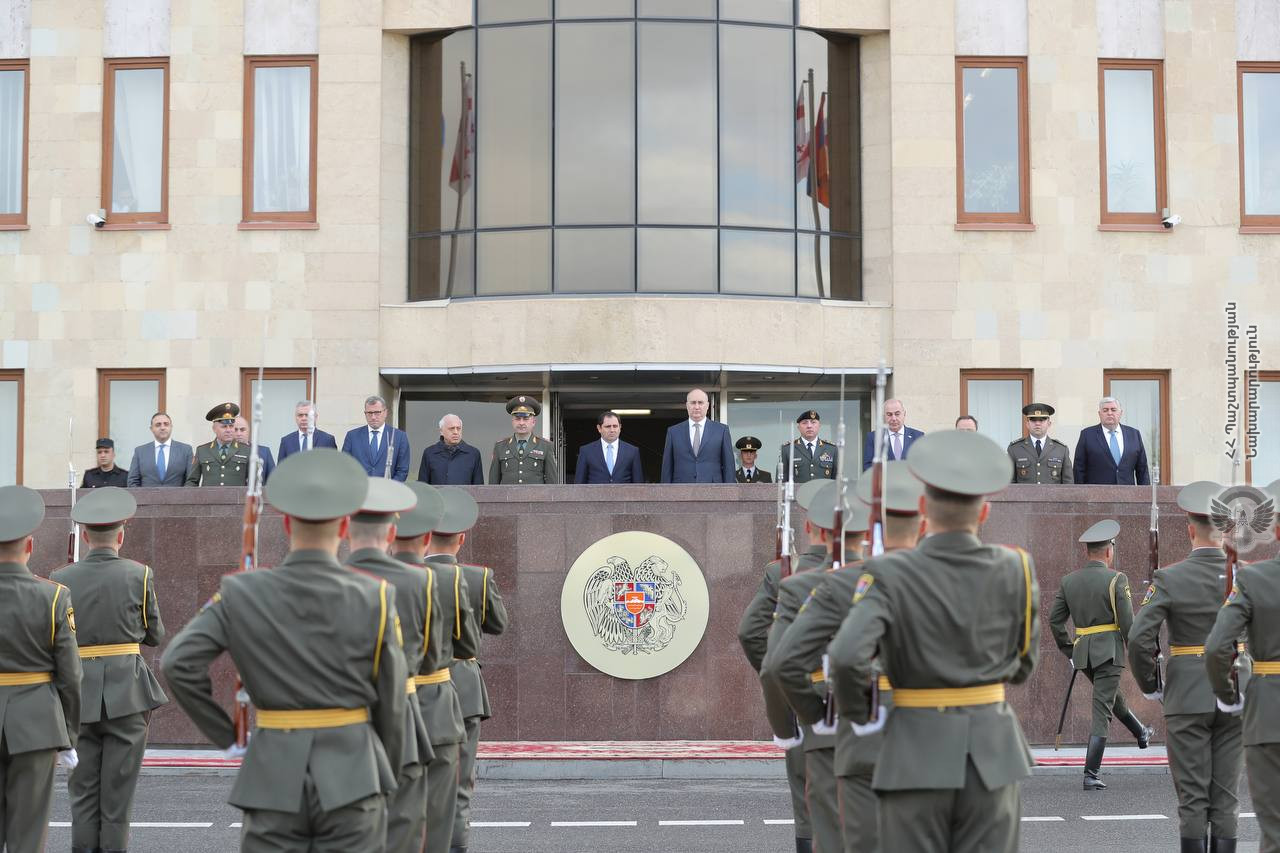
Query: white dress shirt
(1106, 438)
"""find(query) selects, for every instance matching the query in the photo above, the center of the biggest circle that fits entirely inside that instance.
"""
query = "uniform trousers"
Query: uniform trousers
(407, 811)
(795, 781)
(102, 786)
(442, 797)
(361, 825)
(821, 797)
(859, 818)
(1262, 763)
(1205, 755)
(26, 796)
(1108, 701)
(466, 782)
(971, 819)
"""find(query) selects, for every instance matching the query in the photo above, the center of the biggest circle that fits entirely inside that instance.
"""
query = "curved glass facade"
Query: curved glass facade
(621, 146)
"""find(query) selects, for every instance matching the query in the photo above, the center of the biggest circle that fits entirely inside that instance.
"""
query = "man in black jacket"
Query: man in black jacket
(451, 461)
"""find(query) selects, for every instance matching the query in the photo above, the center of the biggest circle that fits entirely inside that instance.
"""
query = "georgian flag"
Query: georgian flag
(802, 139)
(464, 150)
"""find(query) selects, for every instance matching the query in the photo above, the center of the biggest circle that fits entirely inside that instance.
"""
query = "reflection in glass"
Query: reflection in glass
(676, 260)
(829, 58)
(12, 134)
(498, 11)
(281, 139)
(595, 8)
(132, 403)
(483, 423)
(997, 404)
(1260, 93)
(1140, 400)
(1266, 465)
(768, 11)
(595, 260)
(841, 267)
(757, 127)
(438, 201)
(595, 124)
(280, 398)
(757, 262)
(8, 432)
(442, 267)
(677, 112)
(677, 8)
(774, 422)
(513, 126)
(1131, 135)
(513, 262)
(991, 163)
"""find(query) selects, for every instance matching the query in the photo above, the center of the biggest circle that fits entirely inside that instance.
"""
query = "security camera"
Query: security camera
(95, 220)
(1171, 220)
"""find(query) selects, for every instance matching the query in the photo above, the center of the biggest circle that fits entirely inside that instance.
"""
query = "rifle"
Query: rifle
(249, 549)
(1153, 563)
(311, 421)
(788, 495)
(73, 537)
(1062, 718)
(1230, 545)
(837, 548)
(875, 527)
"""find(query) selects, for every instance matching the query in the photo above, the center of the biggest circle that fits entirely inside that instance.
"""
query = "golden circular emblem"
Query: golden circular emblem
(634, 605)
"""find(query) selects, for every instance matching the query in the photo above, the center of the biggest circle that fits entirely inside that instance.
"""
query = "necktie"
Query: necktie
(160, 462)
(809, 444)
(373, 444)
(303, 444)
(222, 452)
(1115, 447)
(520, 446)
(608, 457)
(750, 474)
(1037, 447)
(697, 437)
(897, 445)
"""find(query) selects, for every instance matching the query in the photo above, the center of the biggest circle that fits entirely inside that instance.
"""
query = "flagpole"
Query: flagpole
(813, 189)
(457, 217)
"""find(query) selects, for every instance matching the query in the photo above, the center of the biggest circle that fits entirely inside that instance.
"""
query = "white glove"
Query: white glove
(821, 727)
(874, 726)
(826, 667)
(789, 743)
(1158, 696)
(68, 759)
(235, 751)
(1230, 709)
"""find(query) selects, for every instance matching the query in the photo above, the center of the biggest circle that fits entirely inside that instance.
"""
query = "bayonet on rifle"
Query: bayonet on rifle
(1153, 564)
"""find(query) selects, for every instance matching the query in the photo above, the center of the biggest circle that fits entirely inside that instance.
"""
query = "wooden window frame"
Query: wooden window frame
(132, 221)
(1135, 221)
(107, 375)
(249, 374)
(18, 221)
(1163, 378)
(1251, 223)
(1021, 220)
(18, 376)
(251, 219)
(1259, 377)
(984, 373)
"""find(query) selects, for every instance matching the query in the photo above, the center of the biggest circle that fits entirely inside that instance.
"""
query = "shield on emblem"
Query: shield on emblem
(634, 602)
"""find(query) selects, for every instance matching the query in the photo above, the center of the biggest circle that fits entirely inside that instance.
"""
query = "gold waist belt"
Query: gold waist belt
(322, 718)
(883, 683)
(409, 687)
(18, 679)
(110, 650)
(948, 697)
(1096, 629)
(1186, 650)
(1260, 667)
(818, 677)
(468, 660)
(440, 676)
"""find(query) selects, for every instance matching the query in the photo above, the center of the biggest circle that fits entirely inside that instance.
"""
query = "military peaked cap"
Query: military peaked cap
(105, 507)
(320, 485)
(21, 511)
(1104, 531)
(822, 509)
(523, 406)
(1193, 498)
(105, 443)
(961, 462)
(387, 497)
(460, 512)
(1038, 410)
(810, 415)
(224, 413)
(748, 442)
(805, 491)
(424, 517)
(902, 490)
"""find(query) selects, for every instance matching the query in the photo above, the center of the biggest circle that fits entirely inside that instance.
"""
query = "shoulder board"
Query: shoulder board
(1016, 441)
(50, 581)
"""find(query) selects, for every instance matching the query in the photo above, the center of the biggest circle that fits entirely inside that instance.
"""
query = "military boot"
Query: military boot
(1192, 845)
(1092, 763)
(804, 845)
(1222, 845)
(1138, 730)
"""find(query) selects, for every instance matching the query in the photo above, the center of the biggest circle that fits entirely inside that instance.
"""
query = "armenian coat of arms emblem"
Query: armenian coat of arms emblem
(634, 610)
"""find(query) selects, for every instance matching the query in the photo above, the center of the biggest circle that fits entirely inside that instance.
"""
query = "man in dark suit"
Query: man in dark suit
(1110, 454)
(369, 444)
(304, 437)
(264, 453)
(162, 462)
(698, 450)
(609, 460)
(451, 461)
(897, 434)
(748, 446)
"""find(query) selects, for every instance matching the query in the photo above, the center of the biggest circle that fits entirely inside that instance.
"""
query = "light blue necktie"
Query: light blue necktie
(1115, 448)
(608, 457)
(160, 462)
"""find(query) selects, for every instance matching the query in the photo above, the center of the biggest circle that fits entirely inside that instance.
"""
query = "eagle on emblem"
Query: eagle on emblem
(1242, 524)
(634, 610)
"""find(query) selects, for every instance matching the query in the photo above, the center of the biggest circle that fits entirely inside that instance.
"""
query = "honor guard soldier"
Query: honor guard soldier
(373, 528)
(1253, 608)
(1204, 742)
(437, 694)
(748, 446)
(448, 537)
(1097, 600)
(1039, 458)
(39, 678)
(800, 654)
(223, 461)
(118, 614)
(815, 459)
(318, 649)
(524, 457)
(951, 622)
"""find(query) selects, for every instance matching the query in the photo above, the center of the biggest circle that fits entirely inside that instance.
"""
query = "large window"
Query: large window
(1259, 108)
(14, 86)
(773, 421)
(135, 141)
(10, 427)
(280, 141)
(1264, 467)
(283, 388)
(996, 398)
(126, 401)
(993, 166)
(1144, 399)
(1132, 146)
(583, 146)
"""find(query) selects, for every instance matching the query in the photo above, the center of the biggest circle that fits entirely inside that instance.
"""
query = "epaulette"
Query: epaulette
(1055, 441)
(1016, 441)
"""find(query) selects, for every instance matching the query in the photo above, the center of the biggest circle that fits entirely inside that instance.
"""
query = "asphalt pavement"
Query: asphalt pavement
(186, 811)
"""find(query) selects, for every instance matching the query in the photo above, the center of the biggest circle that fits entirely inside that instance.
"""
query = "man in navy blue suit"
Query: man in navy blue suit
(609, 460)
(264, 452)
(1109, 453)
(698, 450)
(897, 435)
(369, 444)
(304, 438)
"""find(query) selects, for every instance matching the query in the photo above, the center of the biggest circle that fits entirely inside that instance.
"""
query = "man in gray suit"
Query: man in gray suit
(162, 462)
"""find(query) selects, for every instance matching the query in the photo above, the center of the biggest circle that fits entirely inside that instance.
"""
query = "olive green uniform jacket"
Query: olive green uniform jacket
(1092, 596)
(441, 706)
(208, 468)
(509, 465)
(1051, 465)
(491, 617)
(819, 465)
(757, 619)
(1253, 608)
(792, 594)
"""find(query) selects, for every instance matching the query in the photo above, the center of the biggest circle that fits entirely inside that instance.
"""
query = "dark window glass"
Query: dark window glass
(441, 267)
(595, 260)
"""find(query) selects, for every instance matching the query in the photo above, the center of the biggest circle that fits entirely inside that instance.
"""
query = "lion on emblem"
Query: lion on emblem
(634, 610)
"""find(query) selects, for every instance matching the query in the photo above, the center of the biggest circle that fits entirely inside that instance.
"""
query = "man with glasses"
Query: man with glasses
(1037, 458)
(371, 444)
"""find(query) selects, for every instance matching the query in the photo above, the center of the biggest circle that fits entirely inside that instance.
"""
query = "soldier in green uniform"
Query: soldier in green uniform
(1094, 598)
(1253, 608)
(748, 446)
(318, 649)
(524, 457)
(753, 635)
(460, 513)
(1204, 742)
(118, 613)
(951, 621)
(814, 458)
(437, 694)
(802, 649)
(373, 528)
(223, 461)
(39, 678)
(1039, 458)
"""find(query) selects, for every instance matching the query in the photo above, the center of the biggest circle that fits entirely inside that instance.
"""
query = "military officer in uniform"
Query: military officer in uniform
(524, 457)
(118, 613)
(814, 458)
(448, 537)
(1097, 600)
(318, 649)
(950, 622)
(373, 528)
(437, 694)
(748, 446)
(223, 461)
(39, 678)
(1204, 742)
(1253, 608)
(1039, 458)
